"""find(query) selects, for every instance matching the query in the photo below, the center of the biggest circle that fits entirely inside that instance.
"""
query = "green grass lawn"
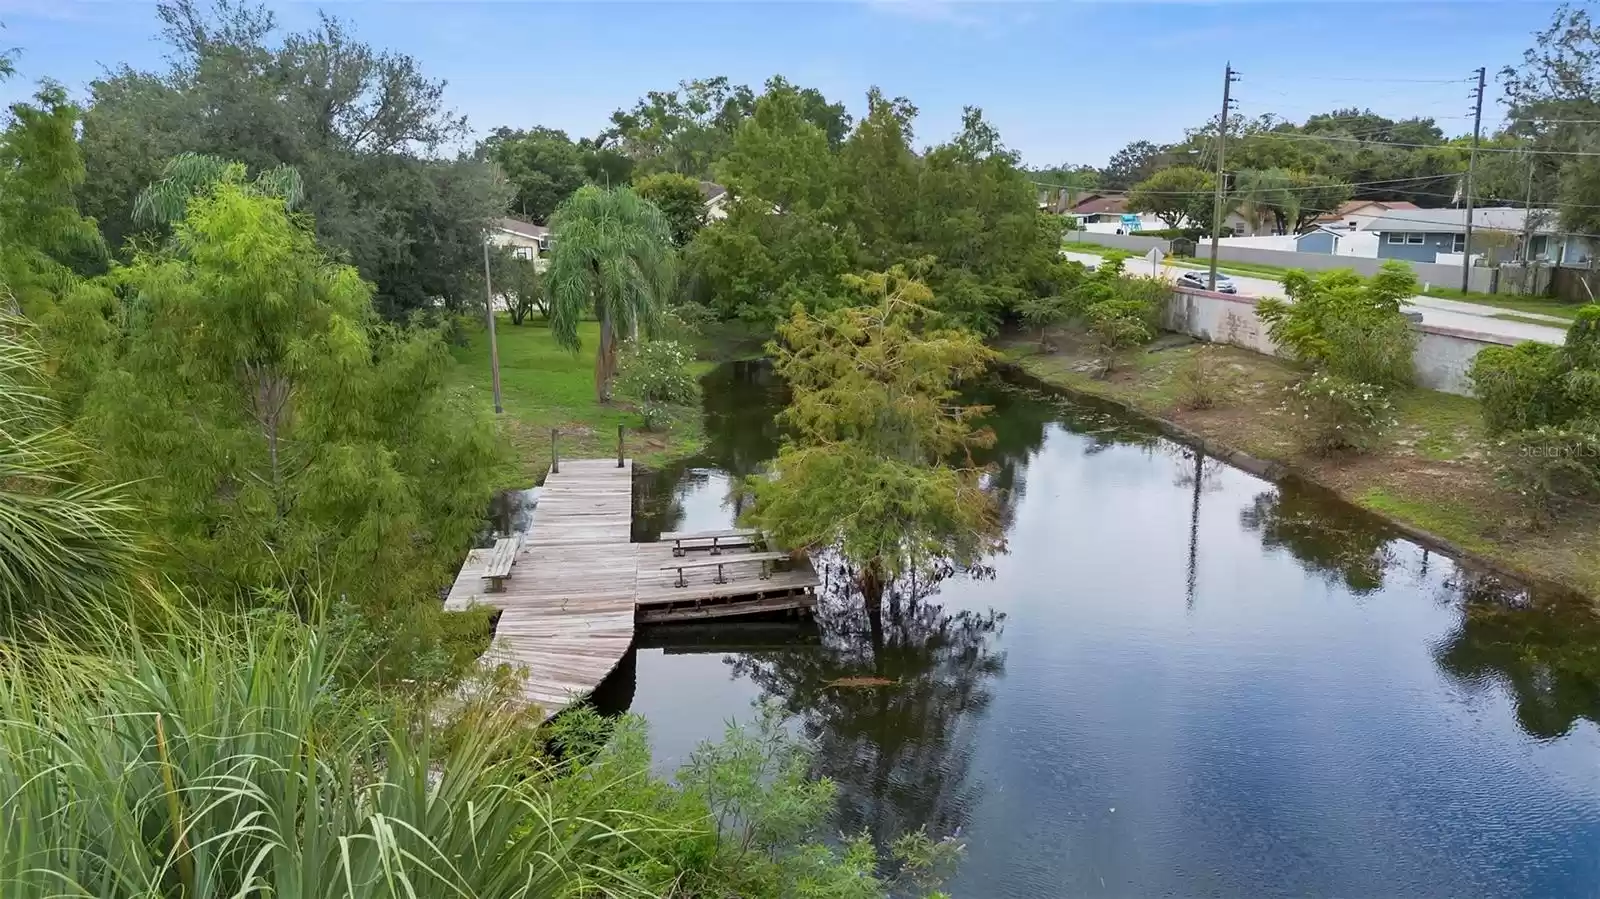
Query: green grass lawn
(544, 386)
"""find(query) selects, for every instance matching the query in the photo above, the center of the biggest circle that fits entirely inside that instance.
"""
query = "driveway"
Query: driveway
(1442, 313)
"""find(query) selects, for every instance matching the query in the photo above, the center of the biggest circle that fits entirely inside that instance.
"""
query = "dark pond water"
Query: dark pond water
(1178, 680)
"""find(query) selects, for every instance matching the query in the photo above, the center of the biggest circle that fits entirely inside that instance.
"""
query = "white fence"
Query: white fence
(1443, 355)
(1427, 272)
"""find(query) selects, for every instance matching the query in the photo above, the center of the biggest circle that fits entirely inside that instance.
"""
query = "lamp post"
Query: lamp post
(488, 310)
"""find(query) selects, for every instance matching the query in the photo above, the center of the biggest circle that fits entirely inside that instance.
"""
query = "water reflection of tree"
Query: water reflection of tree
(1327, 540)
(1544, 648)
(1019, 421)
(741, 404)
(901, 753)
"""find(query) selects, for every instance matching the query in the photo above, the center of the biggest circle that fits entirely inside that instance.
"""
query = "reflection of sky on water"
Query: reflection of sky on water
(1317, 716)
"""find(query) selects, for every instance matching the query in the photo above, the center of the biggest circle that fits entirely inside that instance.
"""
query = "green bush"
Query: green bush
(1553, 468)
(1120, 310)
(1339, 414)
(1377, 349)
(1519, 387)
(1343, 323)
(655, 375)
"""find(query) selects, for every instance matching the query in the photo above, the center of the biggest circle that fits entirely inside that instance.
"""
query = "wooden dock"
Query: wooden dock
(578, 586)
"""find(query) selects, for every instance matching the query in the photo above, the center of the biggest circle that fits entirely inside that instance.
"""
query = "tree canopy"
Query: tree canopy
(362, 127)
(318, 449)
(873, 469)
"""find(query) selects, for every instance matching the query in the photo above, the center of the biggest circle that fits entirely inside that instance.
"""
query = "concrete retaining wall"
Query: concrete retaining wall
(1427, 272)
(1443, 354)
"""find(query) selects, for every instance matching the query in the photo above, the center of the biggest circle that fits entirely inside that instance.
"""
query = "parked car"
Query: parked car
(1202, 280)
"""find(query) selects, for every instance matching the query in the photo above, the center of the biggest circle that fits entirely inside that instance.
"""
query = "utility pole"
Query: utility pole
(1527, 232)
(1472, 162)
(1229, 76)
(488, 309)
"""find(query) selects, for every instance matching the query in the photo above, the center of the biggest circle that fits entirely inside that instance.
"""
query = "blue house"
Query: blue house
(1420, 235)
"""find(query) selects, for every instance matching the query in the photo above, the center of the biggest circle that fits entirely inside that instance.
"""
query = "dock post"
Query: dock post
(619, 446)
(555, 454)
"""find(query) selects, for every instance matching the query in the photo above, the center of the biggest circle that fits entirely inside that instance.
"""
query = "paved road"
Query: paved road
(1443, 313)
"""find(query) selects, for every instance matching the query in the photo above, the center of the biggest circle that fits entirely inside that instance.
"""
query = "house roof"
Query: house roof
(1351, 207)
(1101, 204)
(520, 228)
(1336, 232)
(710, 190)
(1454, 221)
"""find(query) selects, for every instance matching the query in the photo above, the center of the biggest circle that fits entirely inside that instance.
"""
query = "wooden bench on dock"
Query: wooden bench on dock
(683, 541)
(766, 560)
(501, 558)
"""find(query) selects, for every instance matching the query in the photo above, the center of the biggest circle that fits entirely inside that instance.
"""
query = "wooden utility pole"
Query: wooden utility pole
(494, 349)
(1229, 76)
(1527, 232)
(1472, 162)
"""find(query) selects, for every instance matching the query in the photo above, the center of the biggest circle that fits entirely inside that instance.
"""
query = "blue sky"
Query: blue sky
(1064, 82)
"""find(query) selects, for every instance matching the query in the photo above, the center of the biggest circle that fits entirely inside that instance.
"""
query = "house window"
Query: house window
(523, 252)
(1396, 237)
(1458, 243)
(1416, 238)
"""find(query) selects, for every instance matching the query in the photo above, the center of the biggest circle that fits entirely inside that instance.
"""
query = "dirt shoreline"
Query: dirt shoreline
(1435, 469)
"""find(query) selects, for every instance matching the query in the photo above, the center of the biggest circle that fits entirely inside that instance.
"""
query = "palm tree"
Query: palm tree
(187, 174)
(1266, 195)
(611, 254)
(60, 538)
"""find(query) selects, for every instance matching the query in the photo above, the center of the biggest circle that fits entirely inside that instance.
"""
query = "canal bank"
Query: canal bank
(1433, 477)
(1180, 678)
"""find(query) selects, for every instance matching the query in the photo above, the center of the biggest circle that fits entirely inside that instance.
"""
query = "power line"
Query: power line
(1276, 135)
(1308, 188)
(1384, 80)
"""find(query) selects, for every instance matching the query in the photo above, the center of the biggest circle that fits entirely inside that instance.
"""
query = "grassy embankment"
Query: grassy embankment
(544, 386)
(1434, 472)
(1514, 304)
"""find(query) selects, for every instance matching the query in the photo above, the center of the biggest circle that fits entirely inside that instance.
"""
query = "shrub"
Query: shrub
(1122, 310)
(1119, 323)
(1583, 338)
(1377, 350)
(1200, 381)
(1553, 468)
(1519, 387)
(1340, 414)
(655, 375)
(1041, 313)
(1343, 323)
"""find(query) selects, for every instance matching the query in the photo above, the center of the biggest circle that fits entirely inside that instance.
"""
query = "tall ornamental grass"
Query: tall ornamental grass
(219, 760)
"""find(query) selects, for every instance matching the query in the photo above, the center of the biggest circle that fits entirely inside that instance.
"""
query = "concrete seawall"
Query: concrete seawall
(1443, 355)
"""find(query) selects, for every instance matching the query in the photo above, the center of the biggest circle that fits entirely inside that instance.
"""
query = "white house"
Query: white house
(716, 200)
(526, 240)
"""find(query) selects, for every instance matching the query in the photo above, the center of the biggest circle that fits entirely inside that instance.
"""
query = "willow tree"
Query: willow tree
(878, 467)
(612, 257)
